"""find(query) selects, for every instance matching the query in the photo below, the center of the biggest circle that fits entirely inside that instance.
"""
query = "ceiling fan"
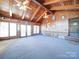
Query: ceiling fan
(23, 4)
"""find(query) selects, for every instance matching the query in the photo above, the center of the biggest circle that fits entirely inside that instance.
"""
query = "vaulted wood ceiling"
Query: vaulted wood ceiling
(62, 4)
(36, 8)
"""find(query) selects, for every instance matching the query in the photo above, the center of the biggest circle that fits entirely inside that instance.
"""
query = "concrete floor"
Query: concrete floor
(39, 47)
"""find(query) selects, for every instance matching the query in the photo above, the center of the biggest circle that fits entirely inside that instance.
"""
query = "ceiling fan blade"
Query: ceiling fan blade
(23, 15)
(17, 1)
(28, 8)
(25, 2)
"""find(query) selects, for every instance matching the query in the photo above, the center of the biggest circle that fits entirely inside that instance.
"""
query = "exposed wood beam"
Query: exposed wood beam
(54, 1)
(74, 2)
(41, 16)
(36, 11)
(66, 7)
(41, 5)
(62, 3)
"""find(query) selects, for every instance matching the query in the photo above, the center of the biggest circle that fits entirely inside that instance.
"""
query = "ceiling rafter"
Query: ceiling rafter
(54, 1)
(41, 16)
(36, 11)
(66, 7)
(75, 1)
(42, 6)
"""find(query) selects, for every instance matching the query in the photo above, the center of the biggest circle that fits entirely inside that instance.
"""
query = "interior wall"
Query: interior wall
(59, 26)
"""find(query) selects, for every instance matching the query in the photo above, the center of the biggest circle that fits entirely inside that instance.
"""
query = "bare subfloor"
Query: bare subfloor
(39, 47)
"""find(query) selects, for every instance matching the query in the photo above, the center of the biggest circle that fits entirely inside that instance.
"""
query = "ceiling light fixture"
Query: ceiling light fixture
(45, 16)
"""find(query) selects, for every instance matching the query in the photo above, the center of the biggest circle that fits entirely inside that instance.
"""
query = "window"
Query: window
(23, 30)
(18, 27)
(13, 30)
(28, 30)
(53, 17)
(36, 29)
(4, 29)
(62, 17)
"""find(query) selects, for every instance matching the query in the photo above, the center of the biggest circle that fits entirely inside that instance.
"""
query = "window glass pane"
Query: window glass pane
(4, 29)
(37, 29)
(53, 17)
(23, 30)
(18, 27)
(28, 30)
(34, 29)
(13, 30)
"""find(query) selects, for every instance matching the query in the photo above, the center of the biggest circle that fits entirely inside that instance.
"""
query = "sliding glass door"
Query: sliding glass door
(36, 29)
(23, 30)
(10, 29)
(4, 26)
(28, 30)
(13, 29)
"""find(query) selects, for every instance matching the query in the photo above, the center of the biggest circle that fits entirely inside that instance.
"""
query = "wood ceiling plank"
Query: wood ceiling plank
(10, 2)
(66, 7)
(41, 16)
(42, 6)
(36, 11)
(54, 1)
